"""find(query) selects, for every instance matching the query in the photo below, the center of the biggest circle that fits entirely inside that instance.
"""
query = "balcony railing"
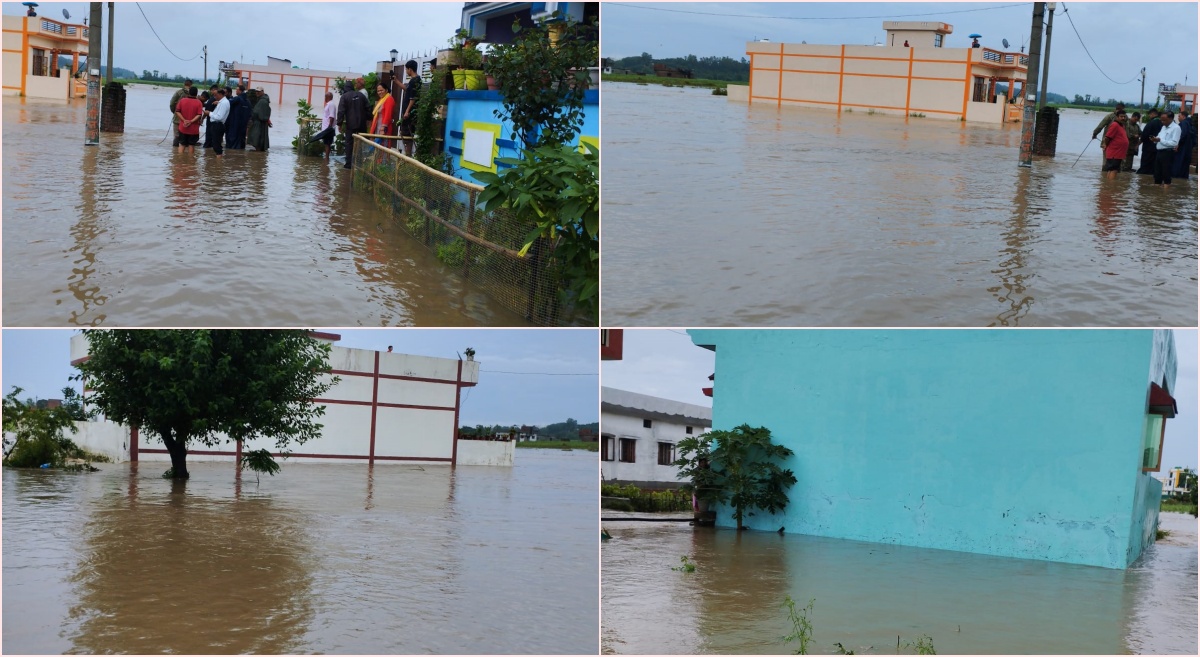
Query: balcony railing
(1005, 59)
(52, 27)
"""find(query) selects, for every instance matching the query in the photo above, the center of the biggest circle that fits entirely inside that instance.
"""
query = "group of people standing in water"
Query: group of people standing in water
(231, 120)
(1166, 143)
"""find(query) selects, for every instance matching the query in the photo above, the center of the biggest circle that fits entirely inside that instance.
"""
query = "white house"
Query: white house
(386, 408)
(638, 435)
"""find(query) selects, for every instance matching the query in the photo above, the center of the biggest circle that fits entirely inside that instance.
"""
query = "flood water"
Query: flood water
(322, 558)
(721, 214)
(130, 233)
(868, 593)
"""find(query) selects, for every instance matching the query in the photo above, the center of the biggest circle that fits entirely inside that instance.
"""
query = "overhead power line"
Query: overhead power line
(811, 18)
(139, 6)
(1089, 54)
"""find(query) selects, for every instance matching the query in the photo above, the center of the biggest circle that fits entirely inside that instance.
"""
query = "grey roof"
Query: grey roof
(654, 408)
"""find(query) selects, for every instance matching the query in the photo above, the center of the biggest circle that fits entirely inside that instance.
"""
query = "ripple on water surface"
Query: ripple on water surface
(719, 214)
(141, 236)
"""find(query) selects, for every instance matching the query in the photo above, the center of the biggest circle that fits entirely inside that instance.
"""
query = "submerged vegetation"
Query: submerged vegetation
(632, 498)
(685, 565)
(802, 633)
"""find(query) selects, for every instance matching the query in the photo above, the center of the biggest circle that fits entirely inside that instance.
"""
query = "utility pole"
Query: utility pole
(1045, 72)
(1143, 103)
(1030, 88)
(205, 64)
(91, 135)
(109, 77)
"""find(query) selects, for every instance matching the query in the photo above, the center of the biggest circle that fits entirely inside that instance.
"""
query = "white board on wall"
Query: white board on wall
(478, 146)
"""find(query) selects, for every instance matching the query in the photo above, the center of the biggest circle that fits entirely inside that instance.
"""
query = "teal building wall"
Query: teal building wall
(1013, 443)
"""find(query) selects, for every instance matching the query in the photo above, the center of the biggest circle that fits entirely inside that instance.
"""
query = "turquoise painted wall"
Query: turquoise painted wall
(1014, 443)
(480, 105)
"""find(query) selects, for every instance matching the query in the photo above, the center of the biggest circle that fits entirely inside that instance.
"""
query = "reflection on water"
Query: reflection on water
(721, 214)
(867, 593)
(330, 558)
(132, 233)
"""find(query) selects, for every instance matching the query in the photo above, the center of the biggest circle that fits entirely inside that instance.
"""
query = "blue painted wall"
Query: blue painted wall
(481, 105)
(1014, 443)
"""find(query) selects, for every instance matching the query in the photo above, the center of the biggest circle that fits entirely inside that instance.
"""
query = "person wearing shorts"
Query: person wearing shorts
(1116, 141)
(188, 113)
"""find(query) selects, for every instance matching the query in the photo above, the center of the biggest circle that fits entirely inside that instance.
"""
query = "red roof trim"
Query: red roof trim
(1161, 402)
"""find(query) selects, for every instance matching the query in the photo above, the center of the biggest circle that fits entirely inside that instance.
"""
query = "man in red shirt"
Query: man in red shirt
(1116, 144)
(189, 111)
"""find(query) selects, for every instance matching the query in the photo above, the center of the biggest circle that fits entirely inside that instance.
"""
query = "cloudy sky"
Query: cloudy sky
(1123, 37)
(665, 363)
(530, 376)
(333, 36)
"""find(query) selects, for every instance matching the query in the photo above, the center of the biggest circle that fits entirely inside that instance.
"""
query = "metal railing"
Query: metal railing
(444, 213)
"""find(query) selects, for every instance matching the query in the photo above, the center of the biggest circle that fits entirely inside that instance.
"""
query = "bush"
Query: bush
(651, 501)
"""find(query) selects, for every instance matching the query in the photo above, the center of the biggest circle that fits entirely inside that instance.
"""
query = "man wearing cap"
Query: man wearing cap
(187, 84)
(216, 122)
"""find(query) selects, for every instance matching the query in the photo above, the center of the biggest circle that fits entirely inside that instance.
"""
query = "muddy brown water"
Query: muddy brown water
(868, 593)
(721, 214)
(129, 233)
(322, 558)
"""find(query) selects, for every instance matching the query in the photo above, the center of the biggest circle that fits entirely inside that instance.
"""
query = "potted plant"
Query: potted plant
(469, 353)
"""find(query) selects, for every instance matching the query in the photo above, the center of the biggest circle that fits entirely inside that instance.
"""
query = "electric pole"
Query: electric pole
(205, 64)
(1143, 103)
(1045, 72)
(109, 76)
(1030, 87)
(91, 135)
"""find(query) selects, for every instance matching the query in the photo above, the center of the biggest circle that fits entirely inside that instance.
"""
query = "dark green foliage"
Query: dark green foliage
(543, 85)
(453, 252)
(649, 501)
(428, 127)
(39, 433)
(712, 68)
(260, 461)
(554, 190)
(188, 386)
(740, 467)
(305, 114)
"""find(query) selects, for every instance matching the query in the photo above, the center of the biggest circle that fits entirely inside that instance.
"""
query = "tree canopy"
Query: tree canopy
(207, 386)
(38, 432)
(740, 467)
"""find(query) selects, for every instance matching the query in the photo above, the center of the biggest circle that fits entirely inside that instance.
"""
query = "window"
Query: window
(647, 423)
(41, 65)
(937, 40)
(980, 92)
(1152, 438)
(666, 453)
(606, 448)
(688, 430)
(628, 450)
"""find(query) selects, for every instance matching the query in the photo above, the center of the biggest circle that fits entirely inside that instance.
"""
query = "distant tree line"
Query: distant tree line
(707, 68)
(568, 430)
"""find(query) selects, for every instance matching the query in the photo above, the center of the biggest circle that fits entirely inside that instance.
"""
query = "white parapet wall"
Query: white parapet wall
(385, 407)
(486, 452)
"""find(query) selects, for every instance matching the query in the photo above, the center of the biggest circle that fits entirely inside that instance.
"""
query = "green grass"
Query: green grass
(670, 82)
(647, 500)
(1176, 506)
(589, 445)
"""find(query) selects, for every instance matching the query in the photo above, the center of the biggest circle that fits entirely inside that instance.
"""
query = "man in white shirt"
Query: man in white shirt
(329, 122)
(1166, 142)
(216, 122)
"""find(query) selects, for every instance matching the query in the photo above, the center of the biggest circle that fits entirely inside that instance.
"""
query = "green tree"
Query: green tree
(543, 83)
(72, 402)
(38, 432)
(739, 467)
(189, 386)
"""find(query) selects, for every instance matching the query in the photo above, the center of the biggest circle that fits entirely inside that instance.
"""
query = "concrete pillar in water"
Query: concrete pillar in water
(1045, 138)
(1029, 89)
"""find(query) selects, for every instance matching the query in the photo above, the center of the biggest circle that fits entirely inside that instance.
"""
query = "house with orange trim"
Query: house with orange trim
(924, 78)
(284, 83)
(32, 46)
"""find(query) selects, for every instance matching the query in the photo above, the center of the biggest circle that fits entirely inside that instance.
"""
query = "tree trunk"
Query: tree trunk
(738, 514)
(178, 450)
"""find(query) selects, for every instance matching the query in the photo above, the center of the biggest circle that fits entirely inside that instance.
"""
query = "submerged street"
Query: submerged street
(131, 233)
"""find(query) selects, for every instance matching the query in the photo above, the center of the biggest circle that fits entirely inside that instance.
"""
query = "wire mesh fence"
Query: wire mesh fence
(444, 213)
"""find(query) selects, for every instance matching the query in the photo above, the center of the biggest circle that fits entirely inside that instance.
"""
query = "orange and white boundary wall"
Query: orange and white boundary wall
(946, 83)
(385, 408)
(286, 85)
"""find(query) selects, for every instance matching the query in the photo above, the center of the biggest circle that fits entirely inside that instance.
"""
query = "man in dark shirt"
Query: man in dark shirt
(1149, 150)
(351, 118)
(408, 111)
